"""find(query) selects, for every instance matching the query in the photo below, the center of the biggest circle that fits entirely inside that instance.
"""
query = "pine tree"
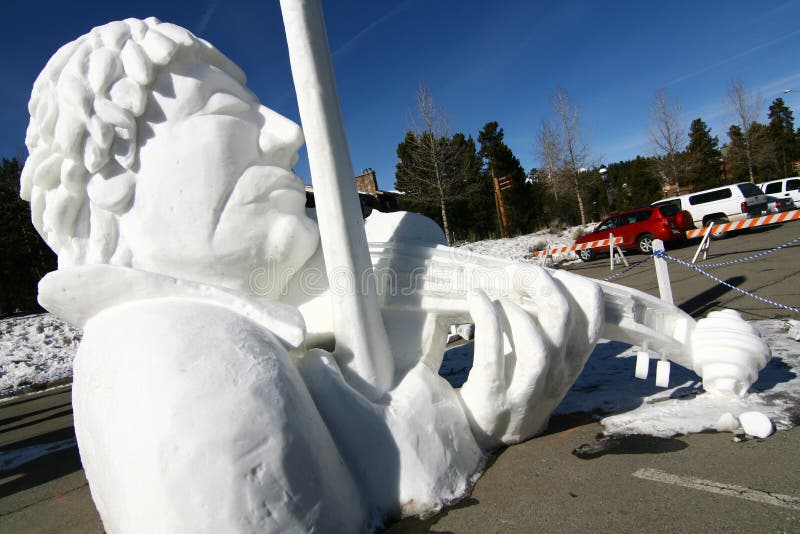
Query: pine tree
(635, 183)
(781, 133)
(644, 182)
(523, 202)
(735, 164)
(703, 157)
(24, 257)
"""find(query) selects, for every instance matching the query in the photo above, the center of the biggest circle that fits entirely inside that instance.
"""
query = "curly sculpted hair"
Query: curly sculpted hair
(85, 110)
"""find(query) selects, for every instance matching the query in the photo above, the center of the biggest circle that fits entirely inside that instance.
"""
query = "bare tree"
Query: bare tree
(434, 166)
(746, 110)
(667, 136)
(575, 153)
(550, 152)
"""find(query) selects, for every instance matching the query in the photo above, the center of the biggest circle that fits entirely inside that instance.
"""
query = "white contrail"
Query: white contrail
(394, 11)
(201, 27)
(731, 58)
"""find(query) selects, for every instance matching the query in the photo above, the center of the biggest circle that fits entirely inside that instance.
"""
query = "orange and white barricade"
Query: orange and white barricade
(775, 218)
(572, 248)
(717, 229)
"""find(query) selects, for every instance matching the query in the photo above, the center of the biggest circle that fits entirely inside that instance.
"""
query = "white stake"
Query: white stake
(362, 345)
(642, 364)
(662, 272)
(613, 251)
(616, 253)
(662, 373)
(704, 244)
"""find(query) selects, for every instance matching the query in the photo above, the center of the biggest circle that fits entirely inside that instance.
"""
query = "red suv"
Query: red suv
(637, 228)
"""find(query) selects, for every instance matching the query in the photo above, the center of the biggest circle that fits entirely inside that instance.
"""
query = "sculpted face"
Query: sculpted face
(215, 195)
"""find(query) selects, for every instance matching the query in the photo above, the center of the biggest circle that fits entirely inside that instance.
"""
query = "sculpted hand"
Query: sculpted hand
(423, 440)
(530, 347)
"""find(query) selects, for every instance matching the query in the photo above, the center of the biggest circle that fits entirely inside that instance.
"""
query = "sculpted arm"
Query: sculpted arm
(535, 328)
(182, 406)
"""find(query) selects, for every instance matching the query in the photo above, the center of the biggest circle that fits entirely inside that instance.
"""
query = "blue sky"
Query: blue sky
(481, 60)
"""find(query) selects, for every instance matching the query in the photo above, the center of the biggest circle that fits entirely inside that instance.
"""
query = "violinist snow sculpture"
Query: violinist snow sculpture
(233, 377)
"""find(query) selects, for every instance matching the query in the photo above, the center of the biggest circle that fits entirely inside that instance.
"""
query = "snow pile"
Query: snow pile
(521, 248)
(794, 329)
(35, 349)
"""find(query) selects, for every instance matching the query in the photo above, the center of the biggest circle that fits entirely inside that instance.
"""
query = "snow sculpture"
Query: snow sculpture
(226, 382)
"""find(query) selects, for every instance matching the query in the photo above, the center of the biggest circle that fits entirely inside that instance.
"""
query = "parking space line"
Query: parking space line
(775, 499)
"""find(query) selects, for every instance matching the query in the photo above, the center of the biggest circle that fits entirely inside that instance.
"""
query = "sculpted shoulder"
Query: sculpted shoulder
(79, 294)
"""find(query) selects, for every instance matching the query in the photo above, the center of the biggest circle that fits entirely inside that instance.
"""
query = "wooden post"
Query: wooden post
(497, 206)
(501, 207)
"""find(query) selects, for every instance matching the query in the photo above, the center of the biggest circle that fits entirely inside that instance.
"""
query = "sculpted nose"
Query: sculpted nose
(280, 139)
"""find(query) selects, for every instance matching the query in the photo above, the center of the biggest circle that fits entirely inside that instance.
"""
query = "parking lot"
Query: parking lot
(538, 485)
(772, 276)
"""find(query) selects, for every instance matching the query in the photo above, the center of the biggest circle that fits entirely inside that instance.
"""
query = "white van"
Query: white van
(728, 203)
(785, 189)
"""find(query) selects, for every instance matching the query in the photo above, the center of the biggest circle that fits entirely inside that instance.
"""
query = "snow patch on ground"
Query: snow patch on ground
(35, 349)
(521, 248)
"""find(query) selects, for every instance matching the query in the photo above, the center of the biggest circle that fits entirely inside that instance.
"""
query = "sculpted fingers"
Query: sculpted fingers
(488, 367)
(529, 352)
(526, 398)
(586, 316)
(483, 394)
(542, 296)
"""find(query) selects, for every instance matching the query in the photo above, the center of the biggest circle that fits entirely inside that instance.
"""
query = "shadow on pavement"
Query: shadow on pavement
(417, 525)
(702, 303)
(713, 258)
(40, 469)
(21, 417)
(633, 444)
(32, 394)
(53, 416)
(776, 372)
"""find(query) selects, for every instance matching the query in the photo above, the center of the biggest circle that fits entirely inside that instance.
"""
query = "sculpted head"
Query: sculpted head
(147, 150)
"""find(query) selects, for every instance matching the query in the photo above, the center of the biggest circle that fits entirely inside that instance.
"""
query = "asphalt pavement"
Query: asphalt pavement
(48, 492)
(692, 483)
(771, 275)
